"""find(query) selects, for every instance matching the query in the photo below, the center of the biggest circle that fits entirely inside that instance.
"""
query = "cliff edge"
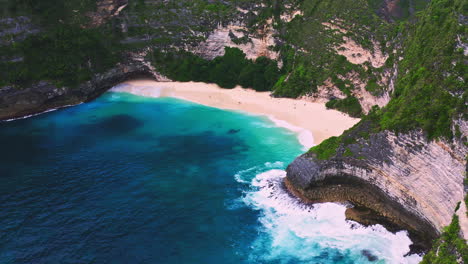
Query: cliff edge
(402, 180)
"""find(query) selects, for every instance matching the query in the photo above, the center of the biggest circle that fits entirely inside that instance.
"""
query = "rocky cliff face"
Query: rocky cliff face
(412, 183)
(43, 96)
(106, 9)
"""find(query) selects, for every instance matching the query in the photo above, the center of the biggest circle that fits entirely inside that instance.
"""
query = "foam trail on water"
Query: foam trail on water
(33, 115)
(305, 137)
(293, 232)
(148, 91)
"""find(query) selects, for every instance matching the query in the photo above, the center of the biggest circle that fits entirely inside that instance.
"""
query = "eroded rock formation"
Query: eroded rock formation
(409, 182)
(43, 96)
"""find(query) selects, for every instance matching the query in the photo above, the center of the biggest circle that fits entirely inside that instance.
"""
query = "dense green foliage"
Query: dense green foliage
(66, 51)
(348, 105)
(449, 247)
(327, 148)
(67, 55)
(314, 59)
(429, 92)
(227, 71)
(431, 88)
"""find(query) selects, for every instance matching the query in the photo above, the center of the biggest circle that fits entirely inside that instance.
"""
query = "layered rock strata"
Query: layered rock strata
(402, 181)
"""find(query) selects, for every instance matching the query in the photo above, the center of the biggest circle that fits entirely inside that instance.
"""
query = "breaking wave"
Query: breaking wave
(293, 232)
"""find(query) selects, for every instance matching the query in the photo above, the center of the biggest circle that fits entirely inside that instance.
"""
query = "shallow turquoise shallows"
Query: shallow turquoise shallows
(129, 179)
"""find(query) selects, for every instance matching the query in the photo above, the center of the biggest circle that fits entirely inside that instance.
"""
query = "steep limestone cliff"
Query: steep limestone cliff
(413, 183)
(320, 44)
(404, 164)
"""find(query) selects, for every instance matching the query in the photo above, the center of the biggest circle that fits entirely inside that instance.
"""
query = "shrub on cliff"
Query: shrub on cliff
(229, 70)
(348, 105)
(449, 248)
(65, 54)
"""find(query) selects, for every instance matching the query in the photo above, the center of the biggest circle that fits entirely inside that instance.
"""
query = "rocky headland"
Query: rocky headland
(402, 181)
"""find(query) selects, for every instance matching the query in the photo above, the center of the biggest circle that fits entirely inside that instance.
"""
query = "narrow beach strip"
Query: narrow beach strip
(313, 122)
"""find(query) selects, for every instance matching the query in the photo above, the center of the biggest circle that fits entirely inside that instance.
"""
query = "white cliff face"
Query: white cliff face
(106, 9)
(325, 92)
(425, 178)
(357, 54)
(328, 90)
(289, 16)
(366, 99)
(353, 51)
(463, 220)
(258, 44)
(428, 181)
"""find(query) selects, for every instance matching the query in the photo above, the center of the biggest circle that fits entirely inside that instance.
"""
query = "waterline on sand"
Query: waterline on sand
(313, 122)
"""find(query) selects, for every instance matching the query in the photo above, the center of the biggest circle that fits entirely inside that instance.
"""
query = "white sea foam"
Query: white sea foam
(142, 90)
(293, 231)
(33, 115)
(304, 136)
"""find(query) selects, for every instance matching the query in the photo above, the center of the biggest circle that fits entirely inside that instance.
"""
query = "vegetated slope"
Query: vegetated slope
(341, 51)
(430, 91)
(450, 247)
(414, 149)
(329, 50)
(57, 53)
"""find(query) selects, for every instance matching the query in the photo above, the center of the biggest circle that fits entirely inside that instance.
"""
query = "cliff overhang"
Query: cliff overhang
(44, 95)
(404, 182)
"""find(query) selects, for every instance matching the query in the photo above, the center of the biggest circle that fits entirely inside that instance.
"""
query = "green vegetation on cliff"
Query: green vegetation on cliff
(65, 52)
(450, 248)
(348, 105)
(67, 55)
(430, 90)
(327, 148)
(229, 70)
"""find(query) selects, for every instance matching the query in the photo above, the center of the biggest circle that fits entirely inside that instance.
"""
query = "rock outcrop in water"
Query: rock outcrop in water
(402, 180)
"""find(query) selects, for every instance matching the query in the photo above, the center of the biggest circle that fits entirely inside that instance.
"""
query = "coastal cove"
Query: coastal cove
(237, 132)
(225, 204)
(312, 121)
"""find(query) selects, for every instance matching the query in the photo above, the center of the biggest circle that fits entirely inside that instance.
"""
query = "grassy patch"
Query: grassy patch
(327, 148)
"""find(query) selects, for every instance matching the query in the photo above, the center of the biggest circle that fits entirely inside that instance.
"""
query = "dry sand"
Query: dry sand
(312, 121)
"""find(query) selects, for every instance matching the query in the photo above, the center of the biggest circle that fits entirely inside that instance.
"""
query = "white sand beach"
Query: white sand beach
(312, 121)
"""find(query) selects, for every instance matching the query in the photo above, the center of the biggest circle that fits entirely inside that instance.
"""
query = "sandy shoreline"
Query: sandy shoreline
(312, 121)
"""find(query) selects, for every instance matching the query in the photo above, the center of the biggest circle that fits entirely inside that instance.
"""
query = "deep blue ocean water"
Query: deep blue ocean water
(130, 179)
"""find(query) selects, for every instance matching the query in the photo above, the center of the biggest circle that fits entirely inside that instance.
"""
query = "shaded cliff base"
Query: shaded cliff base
(370, 207)
(45, 96)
